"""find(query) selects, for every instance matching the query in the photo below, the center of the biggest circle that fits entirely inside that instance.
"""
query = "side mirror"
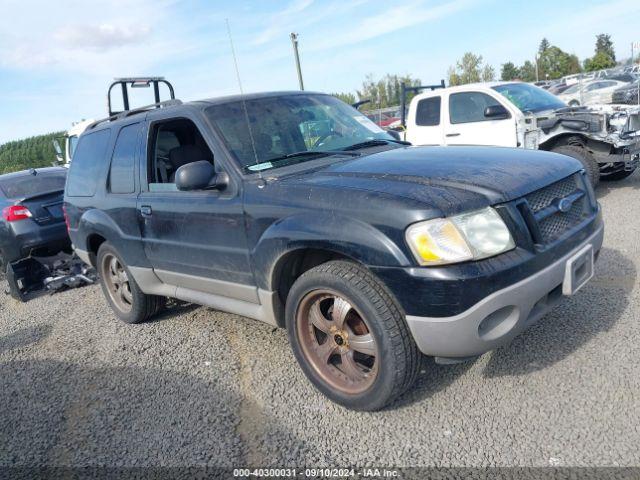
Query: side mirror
(496, 112)
(199, 176)
(56, 147)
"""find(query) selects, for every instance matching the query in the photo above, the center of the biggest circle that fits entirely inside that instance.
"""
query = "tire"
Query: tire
(585, 157)
(616, 176)
(374, 357)
(126, 300)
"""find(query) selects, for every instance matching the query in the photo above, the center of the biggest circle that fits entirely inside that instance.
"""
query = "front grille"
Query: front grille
(545, 196)
(546, 218)
(554, 226)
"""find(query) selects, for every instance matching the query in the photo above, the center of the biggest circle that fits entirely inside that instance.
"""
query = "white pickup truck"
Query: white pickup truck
(64, 156)
(606, 139)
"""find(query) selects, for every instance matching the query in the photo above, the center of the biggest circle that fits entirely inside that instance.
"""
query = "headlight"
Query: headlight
(470, 236)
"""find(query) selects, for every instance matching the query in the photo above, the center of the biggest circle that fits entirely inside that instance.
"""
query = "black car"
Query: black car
(32, 215)
(295, 209)
(627, 94)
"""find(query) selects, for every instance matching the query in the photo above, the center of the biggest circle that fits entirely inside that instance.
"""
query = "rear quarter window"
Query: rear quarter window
(428, 112)
(88, 160)
(122, 172)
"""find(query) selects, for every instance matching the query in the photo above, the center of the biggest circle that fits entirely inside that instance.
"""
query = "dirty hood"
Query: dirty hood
(449, 178)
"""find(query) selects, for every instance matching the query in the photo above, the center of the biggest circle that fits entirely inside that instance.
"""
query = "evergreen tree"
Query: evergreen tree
(604, 45)
(32, 152)
(509, 72)
(544, 45)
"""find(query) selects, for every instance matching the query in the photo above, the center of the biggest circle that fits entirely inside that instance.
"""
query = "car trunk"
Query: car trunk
(45, 208)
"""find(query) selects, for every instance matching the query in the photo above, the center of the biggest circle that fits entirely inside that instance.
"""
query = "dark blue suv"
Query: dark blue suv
(297, 210)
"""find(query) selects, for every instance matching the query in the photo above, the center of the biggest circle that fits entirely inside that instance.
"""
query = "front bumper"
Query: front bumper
(623, 158)
(508, 311)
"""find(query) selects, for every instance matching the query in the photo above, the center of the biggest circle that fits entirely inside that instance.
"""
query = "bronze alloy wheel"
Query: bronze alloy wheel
(116, 280)
(337, 341)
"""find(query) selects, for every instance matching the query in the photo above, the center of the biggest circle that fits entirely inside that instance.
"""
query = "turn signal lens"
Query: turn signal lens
(15, 213)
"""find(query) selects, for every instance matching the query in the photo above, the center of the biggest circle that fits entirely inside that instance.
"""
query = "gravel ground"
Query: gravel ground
(201, 387)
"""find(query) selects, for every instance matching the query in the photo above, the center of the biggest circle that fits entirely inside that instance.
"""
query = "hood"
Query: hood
(451, 179)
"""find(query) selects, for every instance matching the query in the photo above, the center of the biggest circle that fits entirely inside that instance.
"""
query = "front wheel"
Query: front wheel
(120, 289)
(350, 337)
(585, 157)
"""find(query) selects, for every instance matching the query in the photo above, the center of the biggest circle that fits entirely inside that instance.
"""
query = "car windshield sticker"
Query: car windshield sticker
(259, 166)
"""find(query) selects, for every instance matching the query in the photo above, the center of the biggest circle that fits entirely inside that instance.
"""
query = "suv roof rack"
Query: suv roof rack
(128, 113)
(137, 82)
(417, 89)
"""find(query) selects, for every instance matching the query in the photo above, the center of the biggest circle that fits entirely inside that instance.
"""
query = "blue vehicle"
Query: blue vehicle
(295, 209)
(32, 220)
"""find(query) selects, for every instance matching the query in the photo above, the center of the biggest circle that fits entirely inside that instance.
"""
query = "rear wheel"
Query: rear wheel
(350, 337)
(122, 292)
(585, 157)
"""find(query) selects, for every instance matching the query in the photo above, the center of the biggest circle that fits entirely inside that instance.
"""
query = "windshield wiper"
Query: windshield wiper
(374, 143)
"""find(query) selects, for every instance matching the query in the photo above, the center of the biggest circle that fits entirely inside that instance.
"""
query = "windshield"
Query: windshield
(290, 125)
(529, 98)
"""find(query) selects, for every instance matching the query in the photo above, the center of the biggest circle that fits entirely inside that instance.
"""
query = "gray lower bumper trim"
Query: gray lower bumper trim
(152, 284)
(508, 312)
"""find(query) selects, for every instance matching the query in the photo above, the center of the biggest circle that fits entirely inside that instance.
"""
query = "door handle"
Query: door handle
(452, 135)
(146, 211)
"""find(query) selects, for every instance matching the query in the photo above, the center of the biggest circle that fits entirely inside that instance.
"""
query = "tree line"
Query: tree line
(551, 63)
(383, 92)
(32, 152)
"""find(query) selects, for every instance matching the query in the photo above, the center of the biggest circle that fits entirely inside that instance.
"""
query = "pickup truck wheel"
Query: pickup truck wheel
(583, 156)
(350, 337)
(122, 292)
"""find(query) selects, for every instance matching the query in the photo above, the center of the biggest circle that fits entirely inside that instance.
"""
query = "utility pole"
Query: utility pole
(296, 56)
(537, 75)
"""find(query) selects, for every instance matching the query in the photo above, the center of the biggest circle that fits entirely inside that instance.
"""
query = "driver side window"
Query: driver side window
(468, 107)
(174, 143)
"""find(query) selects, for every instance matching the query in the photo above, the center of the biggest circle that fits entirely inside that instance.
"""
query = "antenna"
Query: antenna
(244, 103)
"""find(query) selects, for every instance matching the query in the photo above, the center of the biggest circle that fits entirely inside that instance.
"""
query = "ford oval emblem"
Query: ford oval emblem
(564, 205)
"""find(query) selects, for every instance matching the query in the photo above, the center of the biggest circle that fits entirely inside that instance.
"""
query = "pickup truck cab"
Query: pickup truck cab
(515, 114)
(295, 209)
